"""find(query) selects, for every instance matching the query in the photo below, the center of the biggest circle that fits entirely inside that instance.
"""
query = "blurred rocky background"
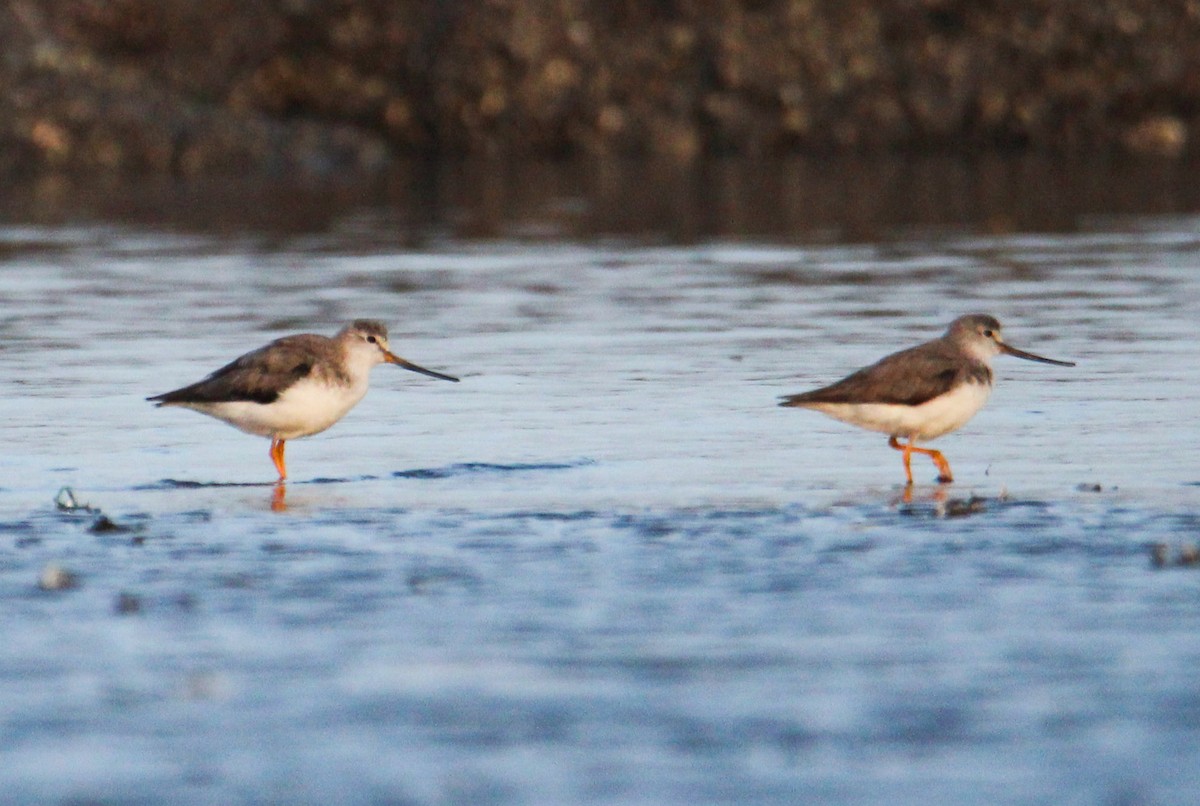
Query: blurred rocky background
(191, 87)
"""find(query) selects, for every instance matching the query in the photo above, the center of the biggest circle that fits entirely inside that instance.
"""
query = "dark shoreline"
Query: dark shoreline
(427, 202)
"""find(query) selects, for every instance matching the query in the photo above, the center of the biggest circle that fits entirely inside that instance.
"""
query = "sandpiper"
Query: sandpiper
(295, 386)
(923, 392)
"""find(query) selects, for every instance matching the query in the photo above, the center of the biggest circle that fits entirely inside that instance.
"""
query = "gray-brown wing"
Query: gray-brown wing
(907, 378)
(259, 376)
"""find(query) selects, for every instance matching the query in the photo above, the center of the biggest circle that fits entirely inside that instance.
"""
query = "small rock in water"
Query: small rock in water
(961, 507)
(127, 603)
(104, 524)
(56, 578)
(1089, 488)
(1187, 556)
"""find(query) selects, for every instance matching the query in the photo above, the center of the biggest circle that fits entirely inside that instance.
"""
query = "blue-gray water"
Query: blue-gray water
(605, 568)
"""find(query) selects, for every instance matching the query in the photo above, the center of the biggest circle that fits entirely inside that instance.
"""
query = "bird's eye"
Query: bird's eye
(372, 339)
(989, 333)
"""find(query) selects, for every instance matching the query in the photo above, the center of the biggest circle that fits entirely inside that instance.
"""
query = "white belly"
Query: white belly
(929, 420)
(304, 409)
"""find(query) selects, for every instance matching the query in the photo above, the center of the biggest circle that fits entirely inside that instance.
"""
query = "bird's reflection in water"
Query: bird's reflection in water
(934, 495)
(936, 501)
(279, 497)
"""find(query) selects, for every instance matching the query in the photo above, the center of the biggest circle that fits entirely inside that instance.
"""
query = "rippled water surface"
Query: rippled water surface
(606, 567)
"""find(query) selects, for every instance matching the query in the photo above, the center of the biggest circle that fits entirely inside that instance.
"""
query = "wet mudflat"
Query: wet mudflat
(604, 568)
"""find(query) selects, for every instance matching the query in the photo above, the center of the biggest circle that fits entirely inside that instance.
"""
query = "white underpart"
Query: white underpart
(306, 408)
(930, 420)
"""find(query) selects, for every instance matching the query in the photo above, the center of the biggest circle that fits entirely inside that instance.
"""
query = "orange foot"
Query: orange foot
(944, 474)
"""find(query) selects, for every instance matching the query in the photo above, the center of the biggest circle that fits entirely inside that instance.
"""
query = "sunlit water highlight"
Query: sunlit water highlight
(605, 568)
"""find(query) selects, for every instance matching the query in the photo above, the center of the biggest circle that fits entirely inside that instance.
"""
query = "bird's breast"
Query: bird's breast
(311, 406)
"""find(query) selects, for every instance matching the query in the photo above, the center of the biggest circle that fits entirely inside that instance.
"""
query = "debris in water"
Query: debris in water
(67, 502)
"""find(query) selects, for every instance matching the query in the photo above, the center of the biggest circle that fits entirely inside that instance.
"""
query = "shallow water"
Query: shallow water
(604, 568)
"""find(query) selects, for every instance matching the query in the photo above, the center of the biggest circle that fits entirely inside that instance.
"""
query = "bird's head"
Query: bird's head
(982, 336)
(367, 340)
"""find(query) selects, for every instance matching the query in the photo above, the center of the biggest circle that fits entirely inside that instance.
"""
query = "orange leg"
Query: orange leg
(277, 457)
(895, 443)
(944, 474)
